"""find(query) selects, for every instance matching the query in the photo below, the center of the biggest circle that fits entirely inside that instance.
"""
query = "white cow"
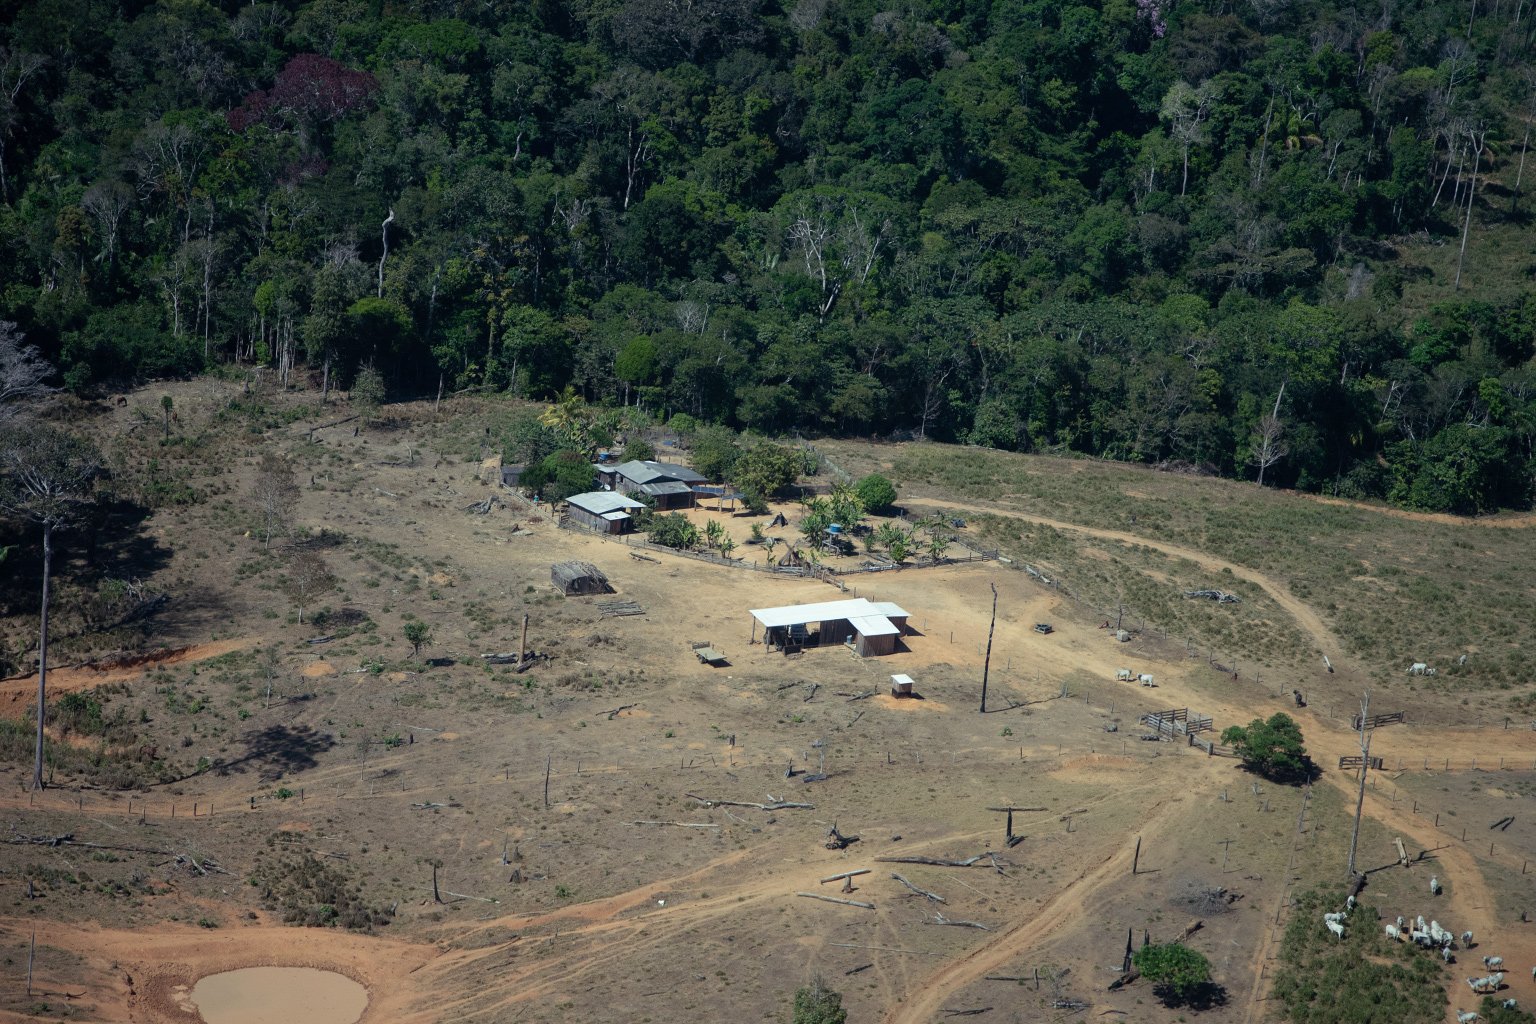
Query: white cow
(1440, 936)
(1336, 928)
(1493, 963)
(1333, 919)
(1349, 904)
(1393, 933)
(1422, 926)
(1124, 675)
(1434, 885)
(1445, 954)
(1420, 938)
(1401, 924)
(1146, 680)
(1418, 668)
(1486, 985)
(1466, 940)
(1467, 1017)
(1511, 1004)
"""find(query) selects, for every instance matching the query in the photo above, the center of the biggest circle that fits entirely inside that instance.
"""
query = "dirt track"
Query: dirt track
(1305, 617)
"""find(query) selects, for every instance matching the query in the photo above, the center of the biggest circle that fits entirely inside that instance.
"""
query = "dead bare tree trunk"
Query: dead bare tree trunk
(384, 233)
(1365, 767)
(1466, 224)
(986, 666)
(42, 657)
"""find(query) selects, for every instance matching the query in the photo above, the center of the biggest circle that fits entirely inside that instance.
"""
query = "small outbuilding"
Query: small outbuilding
(574, 579)
(603, 511)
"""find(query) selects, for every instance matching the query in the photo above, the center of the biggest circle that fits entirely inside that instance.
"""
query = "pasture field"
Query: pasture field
(589, 824)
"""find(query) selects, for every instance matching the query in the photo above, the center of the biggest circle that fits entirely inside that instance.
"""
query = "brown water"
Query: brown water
(279, 995)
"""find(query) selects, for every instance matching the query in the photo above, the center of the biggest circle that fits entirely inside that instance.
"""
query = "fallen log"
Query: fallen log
(862, 696)
(836, 899)
(941, 919)
(776, 805)
(968, 1013)
(932, 861)
(843, 875)
(935, 897)
(1124, 980)
(679, 824)
(613, 713)
(856, 970)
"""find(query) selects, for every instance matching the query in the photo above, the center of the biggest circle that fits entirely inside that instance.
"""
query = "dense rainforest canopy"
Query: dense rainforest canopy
(1275, 240)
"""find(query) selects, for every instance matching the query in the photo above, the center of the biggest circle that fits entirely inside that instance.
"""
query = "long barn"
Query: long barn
(870, 628)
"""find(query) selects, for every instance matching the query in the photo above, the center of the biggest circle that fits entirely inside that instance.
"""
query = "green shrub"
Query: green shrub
(876, 492)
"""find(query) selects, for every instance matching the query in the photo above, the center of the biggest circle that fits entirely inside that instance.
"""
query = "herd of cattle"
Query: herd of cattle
(1431, 935)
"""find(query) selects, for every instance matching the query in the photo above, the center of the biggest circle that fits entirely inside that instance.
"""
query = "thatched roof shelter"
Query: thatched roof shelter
(576, 578)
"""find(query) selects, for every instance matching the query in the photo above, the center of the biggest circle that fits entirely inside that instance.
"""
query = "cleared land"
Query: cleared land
(586, 864)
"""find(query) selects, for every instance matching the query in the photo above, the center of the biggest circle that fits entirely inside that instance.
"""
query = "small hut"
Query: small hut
(574, 579)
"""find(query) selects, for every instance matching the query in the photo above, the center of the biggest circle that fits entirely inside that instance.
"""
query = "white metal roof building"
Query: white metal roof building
(870, 627)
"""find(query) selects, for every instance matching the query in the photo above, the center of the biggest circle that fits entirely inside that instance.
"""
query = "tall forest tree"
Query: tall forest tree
(46, 480)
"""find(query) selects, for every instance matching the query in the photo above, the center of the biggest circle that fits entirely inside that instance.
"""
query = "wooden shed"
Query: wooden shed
(577, 578)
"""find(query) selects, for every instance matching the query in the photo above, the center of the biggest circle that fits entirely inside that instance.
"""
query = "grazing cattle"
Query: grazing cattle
(1124, 675)
(1467, 1017)
(1493, 963)
(1336, 928)
(1511, 1004)
(1434, 885)
(1420, 939)
(1418, 668)
(1401, 924)
(1333, 918)
(1349, 903)
(1486, 985)
(1422, 926)
(1466, 940)
(1393, 933)
(1445, 954)
(1145, 680)
(1440, 936)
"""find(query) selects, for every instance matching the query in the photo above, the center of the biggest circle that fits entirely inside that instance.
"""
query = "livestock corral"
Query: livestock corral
(547, 808)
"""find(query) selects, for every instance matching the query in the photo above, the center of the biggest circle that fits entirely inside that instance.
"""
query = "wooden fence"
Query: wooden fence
(1211, 747)
(1376, 720)
(1354, 761)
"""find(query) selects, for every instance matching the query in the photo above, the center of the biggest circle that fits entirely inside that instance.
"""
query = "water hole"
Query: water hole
(279, 995)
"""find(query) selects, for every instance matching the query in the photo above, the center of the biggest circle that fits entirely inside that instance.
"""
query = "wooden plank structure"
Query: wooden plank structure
(1167, 723)
(1377, 720)
(1354, 761)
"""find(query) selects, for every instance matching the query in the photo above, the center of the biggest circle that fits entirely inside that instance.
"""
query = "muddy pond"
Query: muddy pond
(279, 995)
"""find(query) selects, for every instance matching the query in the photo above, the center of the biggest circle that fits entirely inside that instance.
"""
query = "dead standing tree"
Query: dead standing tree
(1267, 446)
(986, 666)
(308, 577)
(46, 478)
(1365, 767)
(23, 371)
(275, 495)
